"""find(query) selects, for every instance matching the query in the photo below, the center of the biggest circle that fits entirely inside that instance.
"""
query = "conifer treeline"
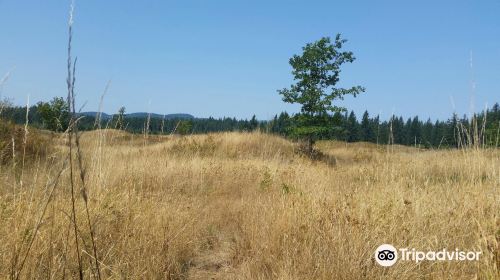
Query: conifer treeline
(344, 127)
(411, 132)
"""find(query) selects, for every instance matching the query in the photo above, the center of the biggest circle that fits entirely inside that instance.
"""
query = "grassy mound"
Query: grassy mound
(17, 143)
(247, 206)
(232, 145)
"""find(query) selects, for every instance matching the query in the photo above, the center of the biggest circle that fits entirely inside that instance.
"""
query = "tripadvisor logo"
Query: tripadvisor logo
(387, 255)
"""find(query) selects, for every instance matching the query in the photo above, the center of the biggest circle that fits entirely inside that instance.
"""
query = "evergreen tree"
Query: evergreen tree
(398, 131)
(407, 136)
(453, 135)
(254, 123)
(376, 128)
(436, 135)
(352, 128)
(416, 131)
(338, 127)
(427, 134)
(366, 129)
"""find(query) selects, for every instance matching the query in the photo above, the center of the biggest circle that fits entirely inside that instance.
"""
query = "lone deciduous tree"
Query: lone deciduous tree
(316, 72)
(55, 114)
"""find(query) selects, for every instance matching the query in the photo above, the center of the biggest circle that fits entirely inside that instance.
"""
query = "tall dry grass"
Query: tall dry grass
(247, 206)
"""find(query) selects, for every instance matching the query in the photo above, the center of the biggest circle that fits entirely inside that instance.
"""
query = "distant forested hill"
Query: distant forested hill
(105, 116)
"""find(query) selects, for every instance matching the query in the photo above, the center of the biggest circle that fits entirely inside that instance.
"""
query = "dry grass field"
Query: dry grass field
(248, 206)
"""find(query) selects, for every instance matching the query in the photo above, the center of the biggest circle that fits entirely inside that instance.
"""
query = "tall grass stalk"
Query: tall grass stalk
(25, 139)
(97, 159)
(70, 81)
(146, 125)
(73, 134)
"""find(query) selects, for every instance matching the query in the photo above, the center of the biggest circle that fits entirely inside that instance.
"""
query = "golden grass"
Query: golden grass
(247, 206)
(16, 143)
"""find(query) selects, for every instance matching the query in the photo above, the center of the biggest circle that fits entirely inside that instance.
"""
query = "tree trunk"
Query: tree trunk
(310, 144)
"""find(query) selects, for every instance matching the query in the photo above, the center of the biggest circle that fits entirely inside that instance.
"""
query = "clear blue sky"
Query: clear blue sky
(228, 58)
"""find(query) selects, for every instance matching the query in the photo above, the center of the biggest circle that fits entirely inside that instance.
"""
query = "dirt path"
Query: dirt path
(215, 262)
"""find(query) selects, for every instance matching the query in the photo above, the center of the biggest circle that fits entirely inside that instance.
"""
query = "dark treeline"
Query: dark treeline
(453, 132)
(344, 126)
(56, 120)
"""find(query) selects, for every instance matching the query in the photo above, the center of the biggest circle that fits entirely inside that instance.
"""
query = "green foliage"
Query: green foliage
(352, 128)
(184, 127)
(304, 126)
(280, 124)
(367, 129)
(344, 127)
(493, 126)
(54, 114)
(286, 189)
(120, 118)
(316, 72)
(254, 124)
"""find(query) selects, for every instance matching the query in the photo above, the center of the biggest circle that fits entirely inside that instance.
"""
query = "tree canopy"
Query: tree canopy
(317, 72)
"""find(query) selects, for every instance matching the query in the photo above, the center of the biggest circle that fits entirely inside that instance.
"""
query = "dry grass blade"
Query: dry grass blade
(17, 271)
(74, 134)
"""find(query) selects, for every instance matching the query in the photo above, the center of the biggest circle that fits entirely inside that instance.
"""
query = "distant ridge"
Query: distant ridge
(105, 116)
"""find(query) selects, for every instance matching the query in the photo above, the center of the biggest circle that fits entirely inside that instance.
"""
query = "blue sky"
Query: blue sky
(228, 58)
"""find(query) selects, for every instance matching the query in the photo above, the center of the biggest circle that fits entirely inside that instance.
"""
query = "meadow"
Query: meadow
(245, 206)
